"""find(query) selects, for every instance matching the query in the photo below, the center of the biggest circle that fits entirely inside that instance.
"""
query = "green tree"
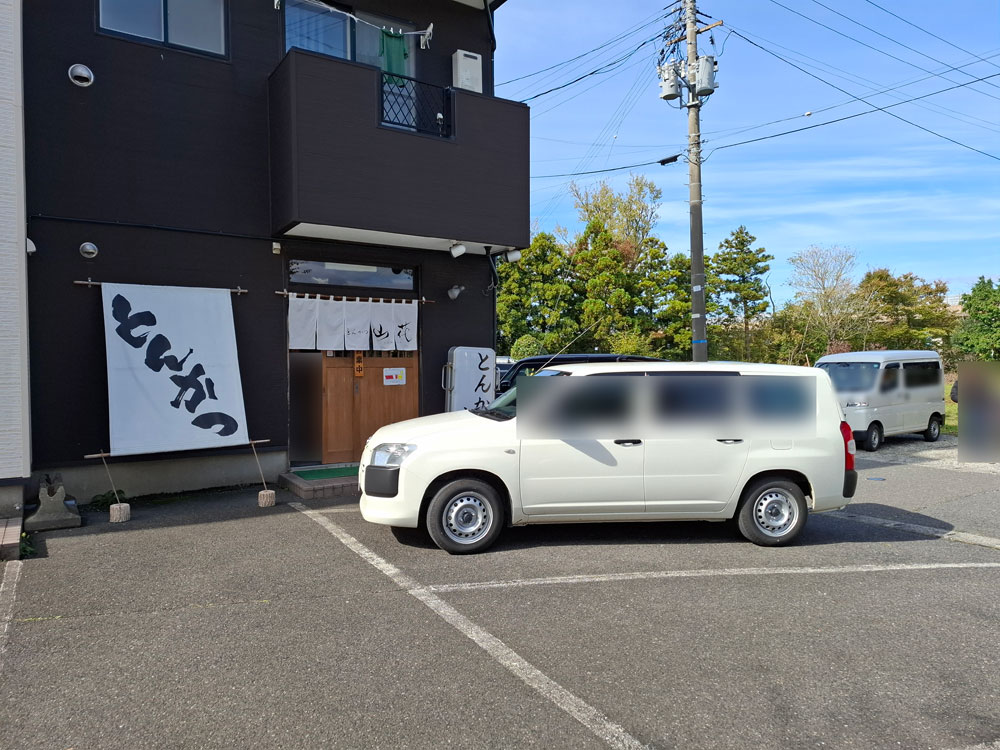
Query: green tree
(906, 311)
(628, 216)
(535, 296)
(740, 269)
(526, 346)
(979, 333)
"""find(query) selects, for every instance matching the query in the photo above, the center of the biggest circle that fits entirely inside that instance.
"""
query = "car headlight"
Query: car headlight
(856, 403)
(391, 454)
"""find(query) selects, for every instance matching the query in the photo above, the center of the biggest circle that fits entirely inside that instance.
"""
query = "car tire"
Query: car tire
(465, 516)
(933, 431)
(772, 512)
(873, 438)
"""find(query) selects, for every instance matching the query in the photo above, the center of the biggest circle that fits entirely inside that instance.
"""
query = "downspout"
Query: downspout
(496, 286)
(493, 40)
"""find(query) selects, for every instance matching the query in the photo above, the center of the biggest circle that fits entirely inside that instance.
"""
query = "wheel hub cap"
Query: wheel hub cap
(467, 519)
(775, 513)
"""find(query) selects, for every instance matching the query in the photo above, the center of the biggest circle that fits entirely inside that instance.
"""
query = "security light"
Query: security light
(458, 249)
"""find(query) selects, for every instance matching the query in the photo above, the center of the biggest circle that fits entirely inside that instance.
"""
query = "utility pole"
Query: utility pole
(699, 79)
(699, 330)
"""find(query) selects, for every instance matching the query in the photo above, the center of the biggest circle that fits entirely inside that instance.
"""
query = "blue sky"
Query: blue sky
(898, 196)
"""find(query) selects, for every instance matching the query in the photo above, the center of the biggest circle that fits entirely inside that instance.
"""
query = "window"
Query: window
(890, 377)
(192, 24)
(350, 274)
(851, 376)
(309, 26)
(325, 28)
(919, 374)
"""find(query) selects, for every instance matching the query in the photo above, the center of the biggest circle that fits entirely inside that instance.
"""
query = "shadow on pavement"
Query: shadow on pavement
(821, 529)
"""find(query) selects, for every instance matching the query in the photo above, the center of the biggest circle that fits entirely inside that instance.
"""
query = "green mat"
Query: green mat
(343, 471)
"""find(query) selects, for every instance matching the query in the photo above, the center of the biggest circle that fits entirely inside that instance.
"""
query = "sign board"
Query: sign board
(173, 372)
(468, 378)
(359, 364)
(393, 376)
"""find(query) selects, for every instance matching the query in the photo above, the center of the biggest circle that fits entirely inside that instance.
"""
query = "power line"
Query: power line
(859, 114)
(606, 68)
(884, 36)
(869, 46)
(667, 160)
(628, 32)
(865, 101)
(931, 33)
(953, 113)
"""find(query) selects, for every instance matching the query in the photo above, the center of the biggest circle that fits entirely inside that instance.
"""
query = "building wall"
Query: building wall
(163, 163)
(14, 393)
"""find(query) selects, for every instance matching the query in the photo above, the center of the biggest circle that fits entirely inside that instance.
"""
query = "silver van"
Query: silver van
(888, 393)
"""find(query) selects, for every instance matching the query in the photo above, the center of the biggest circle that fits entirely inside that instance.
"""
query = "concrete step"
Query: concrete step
(10, 538)
(316, 489)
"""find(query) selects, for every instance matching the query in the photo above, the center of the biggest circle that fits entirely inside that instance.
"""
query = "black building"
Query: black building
(270, 146)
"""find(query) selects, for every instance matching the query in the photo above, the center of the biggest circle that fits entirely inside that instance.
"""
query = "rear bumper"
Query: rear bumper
(850, 483)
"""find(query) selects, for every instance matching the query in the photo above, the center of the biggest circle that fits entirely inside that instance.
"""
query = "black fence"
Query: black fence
(415, 105)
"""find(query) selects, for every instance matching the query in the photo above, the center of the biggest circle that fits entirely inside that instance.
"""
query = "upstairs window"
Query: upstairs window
(191, 24)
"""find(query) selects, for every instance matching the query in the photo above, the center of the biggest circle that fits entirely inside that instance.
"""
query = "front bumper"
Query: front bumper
(385, 499)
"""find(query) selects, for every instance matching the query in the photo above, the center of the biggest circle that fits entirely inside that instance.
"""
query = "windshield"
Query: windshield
(505, 407)
(851, 376)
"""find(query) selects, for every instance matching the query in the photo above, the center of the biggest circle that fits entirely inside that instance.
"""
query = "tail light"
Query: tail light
(849, 447)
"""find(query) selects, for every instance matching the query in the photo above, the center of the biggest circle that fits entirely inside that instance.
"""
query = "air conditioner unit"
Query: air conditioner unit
(467, 71)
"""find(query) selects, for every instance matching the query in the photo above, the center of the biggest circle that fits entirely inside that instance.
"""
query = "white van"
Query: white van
(466, 475)
(888, 393)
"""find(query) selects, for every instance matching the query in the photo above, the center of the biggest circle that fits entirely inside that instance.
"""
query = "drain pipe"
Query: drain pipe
(493, 41)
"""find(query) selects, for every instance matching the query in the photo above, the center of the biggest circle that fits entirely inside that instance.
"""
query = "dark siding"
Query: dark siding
(68, 371)
(349, 171)
(162, 136)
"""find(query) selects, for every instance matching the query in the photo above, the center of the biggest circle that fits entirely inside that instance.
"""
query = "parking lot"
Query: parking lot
(208, 622)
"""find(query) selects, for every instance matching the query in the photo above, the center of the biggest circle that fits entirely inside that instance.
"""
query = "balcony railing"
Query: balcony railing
(415, 105)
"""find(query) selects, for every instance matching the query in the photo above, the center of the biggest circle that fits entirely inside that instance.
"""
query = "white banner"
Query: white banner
(173, 373)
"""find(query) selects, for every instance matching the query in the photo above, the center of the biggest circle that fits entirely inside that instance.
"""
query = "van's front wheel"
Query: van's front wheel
(465, 516)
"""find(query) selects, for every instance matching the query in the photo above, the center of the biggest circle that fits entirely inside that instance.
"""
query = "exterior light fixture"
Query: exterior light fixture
(513, 256)
(669, 160)
(455, 291)
(88, 250)
(458, 249)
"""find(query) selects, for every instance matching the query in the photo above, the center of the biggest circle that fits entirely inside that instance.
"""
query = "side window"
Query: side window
(890, 377)
(692, 398)
(919, 374)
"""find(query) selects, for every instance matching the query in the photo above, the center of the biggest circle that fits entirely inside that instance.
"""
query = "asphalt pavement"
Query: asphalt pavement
(206, 621)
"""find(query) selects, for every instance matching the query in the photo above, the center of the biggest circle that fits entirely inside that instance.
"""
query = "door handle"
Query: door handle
(628, 442)
(729, 441)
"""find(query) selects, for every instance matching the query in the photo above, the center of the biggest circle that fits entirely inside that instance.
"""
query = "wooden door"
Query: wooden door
(354, 407)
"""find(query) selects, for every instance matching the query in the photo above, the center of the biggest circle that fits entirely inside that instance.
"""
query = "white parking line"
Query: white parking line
(343, 509)
(8, 592)
(703, 573)
(951, 536)
(612, 734)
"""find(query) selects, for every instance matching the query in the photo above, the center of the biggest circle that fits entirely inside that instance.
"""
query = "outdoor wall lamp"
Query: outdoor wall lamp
(513, 256)
(88, 250)
(455, 291)
(457, 249)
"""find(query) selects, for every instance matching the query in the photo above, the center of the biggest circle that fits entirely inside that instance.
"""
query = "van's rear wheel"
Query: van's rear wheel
(873, 438)
(465, 516)
(773, 512)
(933, 431)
